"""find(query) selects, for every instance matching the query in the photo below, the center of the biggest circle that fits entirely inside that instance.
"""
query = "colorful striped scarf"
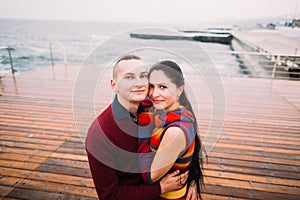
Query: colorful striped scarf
(151, 131)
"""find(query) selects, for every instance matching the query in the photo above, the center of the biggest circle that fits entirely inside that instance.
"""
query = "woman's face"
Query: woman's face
(163, 93)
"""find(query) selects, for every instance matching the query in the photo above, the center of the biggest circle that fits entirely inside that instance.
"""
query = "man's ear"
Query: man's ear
(113, 85)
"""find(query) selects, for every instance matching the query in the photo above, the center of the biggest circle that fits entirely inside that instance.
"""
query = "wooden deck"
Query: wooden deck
(42, 157)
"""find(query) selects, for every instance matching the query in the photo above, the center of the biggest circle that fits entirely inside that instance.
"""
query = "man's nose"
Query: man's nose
(141, 81)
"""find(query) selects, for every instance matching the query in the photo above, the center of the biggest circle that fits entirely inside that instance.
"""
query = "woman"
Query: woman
(168, 135)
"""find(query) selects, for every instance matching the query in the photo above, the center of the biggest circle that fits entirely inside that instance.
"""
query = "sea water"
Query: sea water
(38, 43)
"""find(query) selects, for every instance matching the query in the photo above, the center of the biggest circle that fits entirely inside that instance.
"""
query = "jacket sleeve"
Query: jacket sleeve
(145, 160)
(146, 156)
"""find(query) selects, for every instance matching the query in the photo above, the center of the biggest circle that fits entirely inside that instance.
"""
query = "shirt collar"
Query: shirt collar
(120, 112)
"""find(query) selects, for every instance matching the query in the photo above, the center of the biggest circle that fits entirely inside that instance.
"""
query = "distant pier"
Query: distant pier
(262, 53)
(201, 37)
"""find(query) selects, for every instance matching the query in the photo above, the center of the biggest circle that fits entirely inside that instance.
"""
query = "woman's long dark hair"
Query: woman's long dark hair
(173, 71)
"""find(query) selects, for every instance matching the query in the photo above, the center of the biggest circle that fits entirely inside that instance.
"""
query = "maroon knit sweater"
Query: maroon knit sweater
(111, 146)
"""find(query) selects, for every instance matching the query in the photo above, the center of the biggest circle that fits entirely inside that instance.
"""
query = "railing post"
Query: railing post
(276, 62)
(274, 69)
(65, 57)
(11, 62)
(51, 54)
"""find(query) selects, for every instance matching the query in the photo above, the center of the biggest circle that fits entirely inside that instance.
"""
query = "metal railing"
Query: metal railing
(9, 49)
(266, 65)
(253, 63)
(10, 58)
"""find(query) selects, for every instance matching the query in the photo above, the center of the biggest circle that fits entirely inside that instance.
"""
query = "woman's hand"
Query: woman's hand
(173, 181)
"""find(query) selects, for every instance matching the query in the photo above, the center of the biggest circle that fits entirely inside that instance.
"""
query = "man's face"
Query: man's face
(131, 82)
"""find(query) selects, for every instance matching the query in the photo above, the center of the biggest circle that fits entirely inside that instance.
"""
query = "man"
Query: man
(112, 142)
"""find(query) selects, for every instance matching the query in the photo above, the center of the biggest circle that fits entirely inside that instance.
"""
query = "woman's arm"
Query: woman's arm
(172, 144)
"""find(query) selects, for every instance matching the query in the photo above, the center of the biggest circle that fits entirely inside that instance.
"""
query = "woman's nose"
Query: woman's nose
(155, 92)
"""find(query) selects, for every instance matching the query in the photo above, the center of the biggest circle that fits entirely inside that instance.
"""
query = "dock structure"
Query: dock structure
(257, 155)
(262, 53)
(280, 49)
(281, 41)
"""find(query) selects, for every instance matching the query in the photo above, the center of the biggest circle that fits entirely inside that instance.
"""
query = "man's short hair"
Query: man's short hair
(126, 57)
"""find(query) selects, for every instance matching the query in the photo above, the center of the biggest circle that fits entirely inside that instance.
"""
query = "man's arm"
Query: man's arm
(102, 157)
(108, 187)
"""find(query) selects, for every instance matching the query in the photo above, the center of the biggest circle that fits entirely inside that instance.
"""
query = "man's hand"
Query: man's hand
(173, 181)
(192, 192)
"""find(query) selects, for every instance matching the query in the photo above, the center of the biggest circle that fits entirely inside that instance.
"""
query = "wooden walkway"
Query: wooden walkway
(42, 157)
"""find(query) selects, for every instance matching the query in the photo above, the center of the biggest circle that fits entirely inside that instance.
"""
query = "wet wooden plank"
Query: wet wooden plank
(27, 193)
(5, 190)
(66, 170)
(42, 156)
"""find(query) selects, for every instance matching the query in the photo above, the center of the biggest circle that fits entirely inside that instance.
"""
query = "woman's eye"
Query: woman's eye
(151, 86)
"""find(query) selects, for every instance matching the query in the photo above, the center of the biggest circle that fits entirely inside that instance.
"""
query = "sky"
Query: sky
(152, 11)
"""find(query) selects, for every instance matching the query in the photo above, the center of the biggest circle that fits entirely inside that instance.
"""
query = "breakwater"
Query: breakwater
(216, 38)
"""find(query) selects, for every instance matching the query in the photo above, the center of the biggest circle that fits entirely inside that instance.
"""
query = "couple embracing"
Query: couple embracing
(145, 145)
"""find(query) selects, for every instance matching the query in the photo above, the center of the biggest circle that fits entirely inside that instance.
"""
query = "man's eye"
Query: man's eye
(163, 87)
(129, 77)
(151, 86)
(144, 76)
